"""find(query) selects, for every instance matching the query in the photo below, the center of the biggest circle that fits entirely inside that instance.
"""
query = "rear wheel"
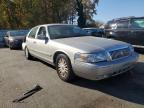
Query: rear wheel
(64, 68)
(27, 54)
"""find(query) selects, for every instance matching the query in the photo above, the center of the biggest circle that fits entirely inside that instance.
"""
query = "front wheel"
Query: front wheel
(64, 68)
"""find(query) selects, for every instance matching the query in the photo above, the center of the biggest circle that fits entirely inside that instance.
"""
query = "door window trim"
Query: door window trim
(36, 30)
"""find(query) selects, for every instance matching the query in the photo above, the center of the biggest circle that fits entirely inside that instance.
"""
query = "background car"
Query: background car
(95, 31)
(128, 29)
(2, 34)
(14, 39)
(74, 53)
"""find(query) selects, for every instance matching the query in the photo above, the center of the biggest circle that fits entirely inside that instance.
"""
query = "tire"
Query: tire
(64, 68)
(10, 47)
(27, 54)
(102, 36)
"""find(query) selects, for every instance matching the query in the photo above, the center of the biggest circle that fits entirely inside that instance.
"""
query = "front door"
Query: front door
(42, 47)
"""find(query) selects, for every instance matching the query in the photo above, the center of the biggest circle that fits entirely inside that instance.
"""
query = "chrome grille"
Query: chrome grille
(120, 53)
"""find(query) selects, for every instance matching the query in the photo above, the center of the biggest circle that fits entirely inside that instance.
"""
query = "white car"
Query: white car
(23, 45)
(74, 53)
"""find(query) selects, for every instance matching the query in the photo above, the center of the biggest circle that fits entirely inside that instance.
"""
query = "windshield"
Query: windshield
(65, 31)
(18, 33)
(138, 23)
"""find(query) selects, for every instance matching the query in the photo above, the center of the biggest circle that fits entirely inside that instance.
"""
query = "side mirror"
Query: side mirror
(6, 36)
(43, 37)
(46, 39)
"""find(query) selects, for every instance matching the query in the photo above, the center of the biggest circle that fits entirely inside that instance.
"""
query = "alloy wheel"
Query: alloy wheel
(63, 68)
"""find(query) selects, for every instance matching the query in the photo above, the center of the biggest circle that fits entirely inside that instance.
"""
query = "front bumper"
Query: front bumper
(23, 46)
(16, 44)
(104, 70)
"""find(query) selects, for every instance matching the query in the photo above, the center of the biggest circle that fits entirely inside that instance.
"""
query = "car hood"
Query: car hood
(91, 44)
(18, 37)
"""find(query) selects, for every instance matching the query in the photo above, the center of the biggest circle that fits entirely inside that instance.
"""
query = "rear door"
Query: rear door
(137, 31)
(42, 46)
(122, 31)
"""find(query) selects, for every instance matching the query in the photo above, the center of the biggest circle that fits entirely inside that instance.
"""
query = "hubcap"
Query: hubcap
(62, 67)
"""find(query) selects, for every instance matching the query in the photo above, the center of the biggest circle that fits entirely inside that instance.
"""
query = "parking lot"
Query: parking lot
(17, 75)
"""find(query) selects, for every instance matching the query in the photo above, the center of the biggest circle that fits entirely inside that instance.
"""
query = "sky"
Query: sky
(109, 9)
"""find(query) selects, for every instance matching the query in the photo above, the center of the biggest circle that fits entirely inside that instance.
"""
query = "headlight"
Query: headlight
(111, 33)
(11, 39)
(91, 58)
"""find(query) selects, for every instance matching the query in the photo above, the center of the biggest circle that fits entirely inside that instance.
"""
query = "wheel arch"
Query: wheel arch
(57, 53)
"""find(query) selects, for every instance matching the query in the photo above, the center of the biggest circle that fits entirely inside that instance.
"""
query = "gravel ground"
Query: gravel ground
(17, 75)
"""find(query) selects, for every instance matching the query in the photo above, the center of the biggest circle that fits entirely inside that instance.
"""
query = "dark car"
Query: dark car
(95, 31)
(2, 34)
(128, 29)
(14, 39)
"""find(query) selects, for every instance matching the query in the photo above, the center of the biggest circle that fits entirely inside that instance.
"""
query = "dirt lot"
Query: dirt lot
(17, 75)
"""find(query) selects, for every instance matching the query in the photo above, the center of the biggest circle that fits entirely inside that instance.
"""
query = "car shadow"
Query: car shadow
(43, 62)
(15, 49)
(2, 47)
(128, 86)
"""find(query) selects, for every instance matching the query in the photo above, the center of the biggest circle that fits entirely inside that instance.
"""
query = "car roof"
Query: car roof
(54, 24)
(17, 31)
(123, 18)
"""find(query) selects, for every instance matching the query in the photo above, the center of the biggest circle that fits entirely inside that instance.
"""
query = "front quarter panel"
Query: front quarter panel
(68, 50)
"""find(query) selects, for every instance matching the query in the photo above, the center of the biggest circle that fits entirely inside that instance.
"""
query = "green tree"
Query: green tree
(80, 9)
(86, 9)
(28, 13)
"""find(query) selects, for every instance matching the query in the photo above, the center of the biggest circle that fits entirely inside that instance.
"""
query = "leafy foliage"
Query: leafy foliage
(16, 14)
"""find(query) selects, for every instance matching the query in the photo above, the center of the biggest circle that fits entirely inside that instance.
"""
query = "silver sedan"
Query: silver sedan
(74, 53)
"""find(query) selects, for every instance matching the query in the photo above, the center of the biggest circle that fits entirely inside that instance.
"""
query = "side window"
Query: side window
(33, 32)
(122, 24)
(137, 23)
(41, 33)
